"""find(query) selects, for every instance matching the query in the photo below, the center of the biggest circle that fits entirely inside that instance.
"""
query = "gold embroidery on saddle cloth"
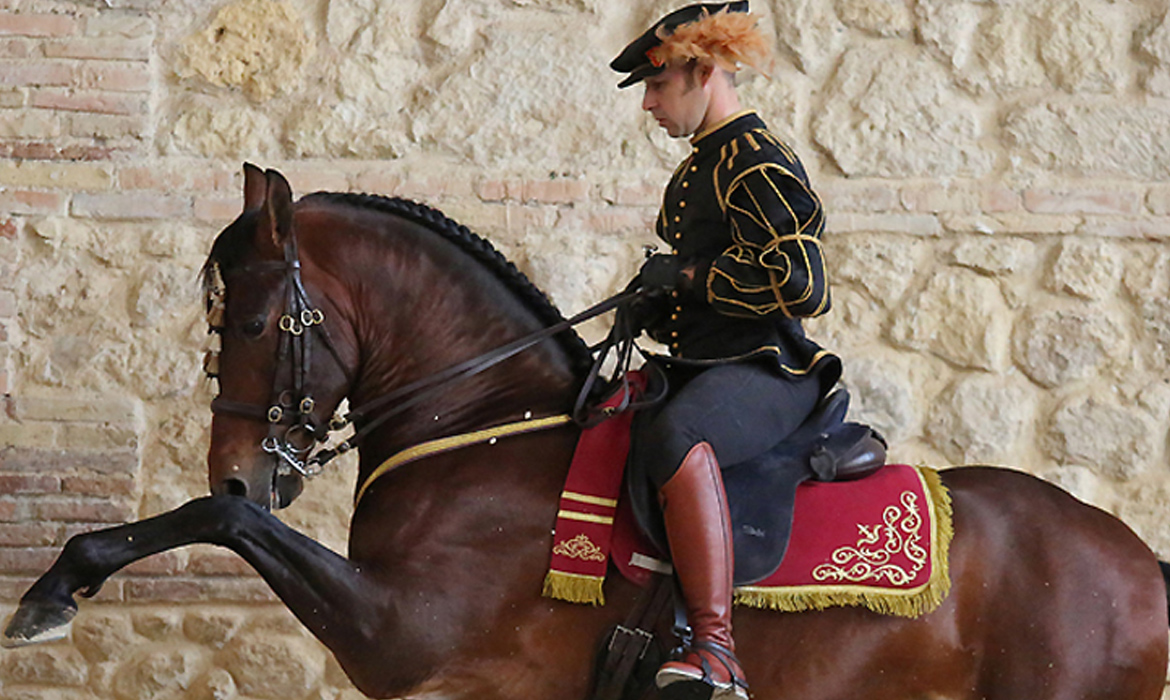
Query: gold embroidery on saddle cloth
(871, 560)
(580, 547)
(912, 602)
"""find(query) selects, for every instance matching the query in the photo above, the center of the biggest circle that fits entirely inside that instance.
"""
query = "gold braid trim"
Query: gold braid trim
(909, 603)
(725, 38)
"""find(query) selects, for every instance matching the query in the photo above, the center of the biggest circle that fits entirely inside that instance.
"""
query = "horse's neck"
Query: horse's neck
(430, 307)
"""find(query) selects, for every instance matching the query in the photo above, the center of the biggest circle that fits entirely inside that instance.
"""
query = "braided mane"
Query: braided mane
(224, 251)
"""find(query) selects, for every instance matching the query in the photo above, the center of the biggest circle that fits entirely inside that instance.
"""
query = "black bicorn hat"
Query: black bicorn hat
(633, 58)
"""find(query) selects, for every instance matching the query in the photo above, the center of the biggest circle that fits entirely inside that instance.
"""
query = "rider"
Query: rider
(746, 264)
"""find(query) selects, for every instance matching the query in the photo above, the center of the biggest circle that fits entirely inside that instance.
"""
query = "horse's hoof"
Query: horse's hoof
(35, 623)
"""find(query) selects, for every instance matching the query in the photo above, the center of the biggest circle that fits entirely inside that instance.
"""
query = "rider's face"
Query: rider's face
(676, 98)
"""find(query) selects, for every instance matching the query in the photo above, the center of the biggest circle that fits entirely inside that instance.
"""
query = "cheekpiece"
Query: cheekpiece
(633, 58)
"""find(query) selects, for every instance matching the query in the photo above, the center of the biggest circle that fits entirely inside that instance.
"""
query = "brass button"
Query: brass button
(694, 168)
(674, 317)
(674, 346)
(686, 184)
(674, 334)
(674, 294)
(678, 236)
(682, 205)
(677, 219)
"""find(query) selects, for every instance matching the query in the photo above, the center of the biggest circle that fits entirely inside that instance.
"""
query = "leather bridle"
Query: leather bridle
(289, 411)
(291, 404)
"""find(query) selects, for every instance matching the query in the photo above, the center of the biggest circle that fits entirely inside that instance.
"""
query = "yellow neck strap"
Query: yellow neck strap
(455, 442)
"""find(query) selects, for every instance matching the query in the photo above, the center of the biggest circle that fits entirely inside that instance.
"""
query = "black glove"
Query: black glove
(661, 272)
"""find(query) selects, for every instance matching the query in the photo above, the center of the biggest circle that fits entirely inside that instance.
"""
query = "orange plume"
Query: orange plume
(726, 38)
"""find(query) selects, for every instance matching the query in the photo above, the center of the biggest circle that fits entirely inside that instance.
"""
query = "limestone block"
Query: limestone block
(1098, 139)
(1157, 45)
(211, 627)
(995, 256)
(891, 113)
(856, 320)
(1082, 43)
(959, 316)
(880, 17)
(158, 625)
(49, 665)
(810, 32)
(949, 29)
(273, 668)
(257, 46)
(882, 396)
(980, 419)
(883, 265)
(1144, 508)
(1114, 441)
(217, 684)
(1081, 482)
(220, 130)
(1085, 268)
(541, 125)
(160, 673)
(103, 637)
(1056, 346)
(347, 130)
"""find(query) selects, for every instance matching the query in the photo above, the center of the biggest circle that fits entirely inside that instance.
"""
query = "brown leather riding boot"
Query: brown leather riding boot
(698, 526)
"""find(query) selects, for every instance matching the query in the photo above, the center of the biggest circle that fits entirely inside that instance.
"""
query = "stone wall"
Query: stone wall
(996, 172)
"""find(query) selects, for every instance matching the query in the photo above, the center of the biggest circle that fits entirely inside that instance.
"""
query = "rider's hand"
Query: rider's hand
(662, 272)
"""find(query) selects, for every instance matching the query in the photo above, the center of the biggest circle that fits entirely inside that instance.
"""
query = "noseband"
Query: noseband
(290, 409)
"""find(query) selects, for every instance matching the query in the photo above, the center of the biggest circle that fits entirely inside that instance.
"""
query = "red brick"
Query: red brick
(138, 177)
(23, 150)
(18, 48)
(7, 229)
(11, 510)
(29, 535)
(28, 459)
(219, 563)
(26, 73)
(26, 560)
(11, 484)
(116, 77)
(12, 588)
(31, 203)
(100, 48)
(1001, 199)
(377, 182)
(98, 485)
(198, 590)
(130, 206)
(1083, 200)
(36, 25)
(638, 195)
(95, 102)
(556, 191)
(82, 509)
(217, 210)
(161, 564)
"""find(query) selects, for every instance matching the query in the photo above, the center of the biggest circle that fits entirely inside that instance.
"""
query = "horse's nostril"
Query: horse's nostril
(235, 487)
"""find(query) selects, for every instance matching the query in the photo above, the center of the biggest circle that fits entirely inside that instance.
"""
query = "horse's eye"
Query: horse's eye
(254, 328)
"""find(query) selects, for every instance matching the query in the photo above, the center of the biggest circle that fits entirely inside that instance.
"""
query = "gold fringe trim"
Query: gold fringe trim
(574, 588)
(909, 603)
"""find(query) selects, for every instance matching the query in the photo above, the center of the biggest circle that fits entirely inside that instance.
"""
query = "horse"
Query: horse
(358, 297)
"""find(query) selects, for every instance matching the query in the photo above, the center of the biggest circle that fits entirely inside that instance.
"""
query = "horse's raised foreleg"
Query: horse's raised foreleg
(326, 591)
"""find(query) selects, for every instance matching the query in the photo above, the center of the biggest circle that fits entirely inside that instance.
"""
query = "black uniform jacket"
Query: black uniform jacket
(741, 208)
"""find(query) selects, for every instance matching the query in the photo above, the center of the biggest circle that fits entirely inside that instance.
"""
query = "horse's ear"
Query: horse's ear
(255, 187)
(276, 215)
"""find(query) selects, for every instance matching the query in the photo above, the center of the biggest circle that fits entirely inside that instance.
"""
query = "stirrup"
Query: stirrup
(676, 683)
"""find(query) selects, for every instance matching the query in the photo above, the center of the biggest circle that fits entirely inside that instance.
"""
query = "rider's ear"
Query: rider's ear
(255, 187)
(276, 216)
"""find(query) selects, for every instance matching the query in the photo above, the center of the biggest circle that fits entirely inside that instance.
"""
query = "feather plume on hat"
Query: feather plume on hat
(726, 38)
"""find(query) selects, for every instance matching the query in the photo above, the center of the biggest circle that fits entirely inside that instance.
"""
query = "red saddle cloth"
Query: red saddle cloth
(879, 542)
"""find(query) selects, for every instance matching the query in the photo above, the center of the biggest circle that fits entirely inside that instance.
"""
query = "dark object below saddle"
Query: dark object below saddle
(761, 492)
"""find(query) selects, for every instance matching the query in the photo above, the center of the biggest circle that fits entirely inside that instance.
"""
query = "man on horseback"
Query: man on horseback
(746, 264)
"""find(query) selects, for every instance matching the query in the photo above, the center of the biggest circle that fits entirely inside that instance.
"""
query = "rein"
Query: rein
(293, 407)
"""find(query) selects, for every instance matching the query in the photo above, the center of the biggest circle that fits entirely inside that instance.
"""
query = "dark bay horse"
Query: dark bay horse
(440, 596)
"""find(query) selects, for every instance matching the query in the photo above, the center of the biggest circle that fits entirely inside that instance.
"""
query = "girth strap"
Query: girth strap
(630, 642)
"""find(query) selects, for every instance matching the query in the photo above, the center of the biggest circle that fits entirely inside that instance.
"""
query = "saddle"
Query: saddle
(761, 492)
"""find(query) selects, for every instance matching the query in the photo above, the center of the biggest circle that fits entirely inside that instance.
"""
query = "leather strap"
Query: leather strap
(630, 641)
